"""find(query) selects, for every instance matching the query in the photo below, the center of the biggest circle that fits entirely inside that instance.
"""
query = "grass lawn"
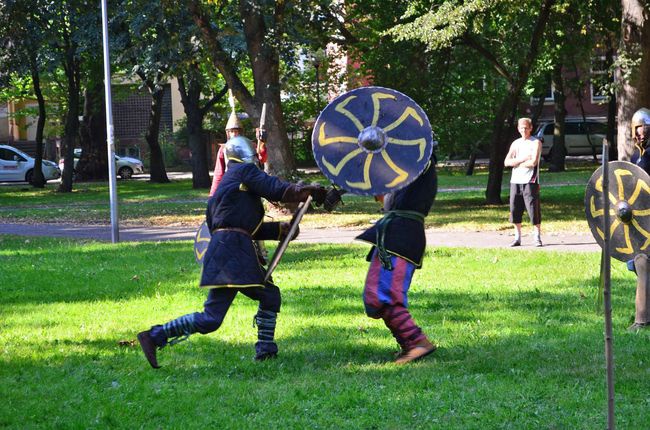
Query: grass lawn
(460, 204)
(520, 343)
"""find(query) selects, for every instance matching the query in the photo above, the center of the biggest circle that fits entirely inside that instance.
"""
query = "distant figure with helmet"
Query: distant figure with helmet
(640, 264)
(235, 217)
(235, 128)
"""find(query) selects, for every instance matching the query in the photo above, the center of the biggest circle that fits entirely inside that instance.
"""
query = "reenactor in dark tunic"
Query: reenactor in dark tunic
(231, 265)
(399, 244)
(641, 262)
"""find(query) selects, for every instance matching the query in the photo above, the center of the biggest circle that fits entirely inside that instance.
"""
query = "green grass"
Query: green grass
(520, 344)
(458, 206)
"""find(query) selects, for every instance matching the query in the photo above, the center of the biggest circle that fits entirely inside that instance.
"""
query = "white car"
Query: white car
(16, 166)
(578, 136)
(126, 166)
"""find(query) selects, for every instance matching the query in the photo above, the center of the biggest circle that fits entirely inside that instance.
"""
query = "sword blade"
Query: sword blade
(283, 245)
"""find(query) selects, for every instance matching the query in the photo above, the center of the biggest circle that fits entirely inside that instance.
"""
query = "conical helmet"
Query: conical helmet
(640, 118)
(233, 122)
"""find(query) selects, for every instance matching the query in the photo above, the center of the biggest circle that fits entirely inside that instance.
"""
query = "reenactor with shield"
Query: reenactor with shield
(629, 202)
(377, 141)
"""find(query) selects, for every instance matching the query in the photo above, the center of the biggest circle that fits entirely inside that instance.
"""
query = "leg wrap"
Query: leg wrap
(265, 321)
(401, 325)
(180, 329)
(642, 317)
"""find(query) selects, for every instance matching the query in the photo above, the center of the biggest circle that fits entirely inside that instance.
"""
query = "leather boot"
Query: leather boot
(148, 347)
(419, 350)
(265, 347)
(642, 316)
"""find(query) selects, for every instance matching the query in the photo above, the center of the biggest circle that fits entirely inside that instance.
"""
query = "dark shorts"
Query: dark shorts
(525, 196)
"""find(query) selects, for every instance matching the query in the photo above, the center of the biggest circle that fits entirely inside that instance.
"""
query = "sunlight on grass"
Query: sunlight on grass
(520, 342)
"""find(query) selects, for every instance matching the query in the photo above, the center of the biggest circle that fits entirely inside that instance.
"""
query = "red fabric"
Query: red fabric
(261, 152)
(220, 165)
(219, 170)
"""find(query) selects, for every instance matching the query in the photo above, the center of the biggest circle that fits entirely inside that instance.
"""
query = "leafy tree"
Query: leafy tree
(266, 33)
(505, 34)
(22, 37)
(145, 48)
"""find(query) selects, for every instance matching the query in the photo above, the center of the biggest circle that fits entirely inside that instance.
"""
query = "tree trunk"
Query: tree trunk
(158, 174)
(635, 92)
(93, 163)
(558, 150)
(191, 98)
(501, 139)
(611, 109)
(38, 180)
(265, 62)
(71, 128)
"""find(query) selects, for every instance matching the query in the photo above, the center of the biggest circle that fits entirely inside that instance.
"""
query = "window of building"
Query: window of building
(548, 96)
(600, 78)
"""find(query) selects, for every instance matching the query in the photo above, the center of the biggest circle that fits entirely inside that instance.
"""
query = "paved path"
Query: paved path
(552, 241)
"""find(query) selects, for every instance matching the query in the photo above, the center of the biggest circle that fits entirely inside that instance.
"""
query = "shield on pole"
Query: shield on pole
(372, 141)
(201, 242)
(629, 206)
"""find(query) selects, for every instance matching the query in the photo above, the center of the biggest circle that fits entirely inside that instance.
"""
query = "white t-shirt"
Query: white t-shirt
(525, 148)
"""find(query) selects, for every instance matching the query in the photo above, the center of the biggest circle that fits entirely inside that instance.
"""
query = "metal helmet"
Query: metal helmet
(241, 150)
(233, 122)
(641, 118)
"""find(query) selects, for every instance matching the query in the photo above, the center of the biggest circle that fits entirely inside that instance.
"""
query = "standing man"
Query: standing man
(523, 157)
(231, 265)
(399, 242)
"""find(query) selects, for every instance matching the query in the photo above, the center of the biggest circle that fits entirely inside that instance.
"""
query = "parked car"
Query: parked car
(17, 166)
(577, 134)
(126, 166)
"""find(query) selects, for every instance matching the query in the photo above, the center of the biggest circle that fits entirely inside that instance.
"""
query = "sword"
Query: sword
(283, 245)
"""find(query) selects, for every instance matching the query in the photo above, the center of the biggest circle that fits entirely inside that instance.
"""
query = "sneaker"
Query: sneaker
(421, 349)
(515, 242)
(148, 347)
(538, 242)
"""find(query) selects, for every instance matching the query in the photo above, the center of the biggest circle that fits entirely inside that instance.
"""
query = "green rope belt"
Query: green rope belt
(382, 225)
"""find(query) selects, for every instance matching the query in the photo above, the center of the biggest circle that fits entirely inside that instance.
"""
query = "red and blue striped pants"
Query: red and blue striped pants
(385, 296)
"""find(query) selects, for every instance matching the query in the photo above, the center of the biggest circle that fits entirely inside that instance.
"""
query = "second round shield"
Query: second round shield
(628, 205)
(372, 141)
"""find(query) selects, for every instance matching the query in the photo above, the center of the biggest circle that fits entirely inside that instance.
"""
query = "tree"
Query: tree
(23, 30)
(145, 48)
(506, 36)
(634, 61)
(271, 32)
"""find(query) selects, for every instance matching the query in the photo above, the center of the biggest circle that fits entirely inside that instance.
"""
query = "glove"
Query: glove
(261, 134)
(284, 230)
(318, 193)
(332, 199)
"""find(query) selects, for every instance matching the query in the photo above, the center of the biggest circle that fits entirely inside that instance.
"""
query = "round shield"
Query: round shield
(201, 242)
(372, 141)
(628, 205)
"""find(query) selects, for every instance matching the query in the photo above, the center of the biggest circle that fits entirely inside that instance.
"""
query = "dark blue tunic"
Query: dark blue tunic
(641, 157)
(234, 216)
(404, 236)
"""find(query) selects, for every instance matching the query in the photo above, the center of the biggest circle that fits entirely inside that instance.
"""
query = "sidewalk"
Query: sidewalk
(582, 242)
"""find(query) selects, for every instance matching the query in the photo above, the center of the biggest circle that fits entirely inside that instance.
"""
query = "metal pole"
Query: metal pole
(607, 298)
(112, 179)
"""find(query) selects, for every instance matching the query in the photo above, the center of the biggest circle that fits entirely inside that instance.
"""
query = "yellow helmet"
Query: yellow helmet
(640, 118)
(233, 122)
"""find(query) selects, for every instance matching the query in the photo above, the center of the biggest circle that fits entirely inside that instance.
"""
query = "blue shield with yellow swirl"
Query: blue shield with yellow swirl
(372, 141)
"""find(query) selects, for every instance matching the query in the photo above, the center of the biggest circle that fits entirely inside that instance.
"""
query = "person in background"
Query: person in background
(523, 157)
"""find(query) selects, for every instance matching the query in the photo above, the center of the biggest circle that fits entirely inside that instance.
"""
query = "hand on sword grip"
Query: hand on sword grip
(261, 134)
(286, 226)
